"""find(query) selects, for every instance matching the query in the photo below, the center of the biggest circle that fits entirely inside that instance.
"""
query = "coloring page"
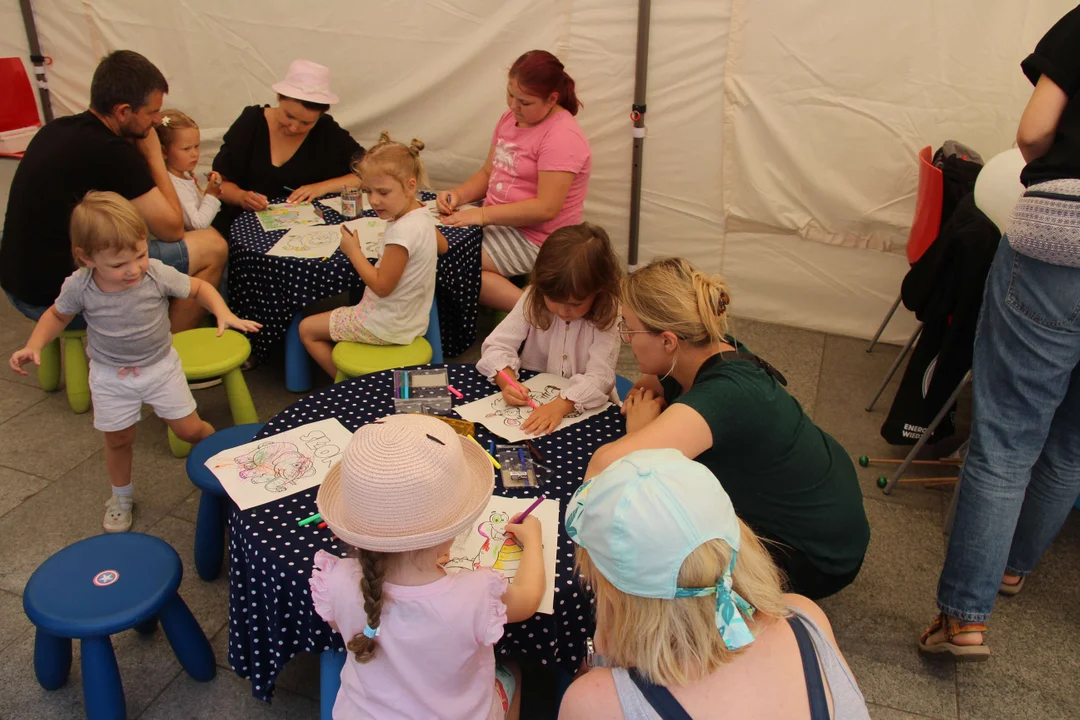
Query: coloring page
(370, 230)
(286, 215)
(506, 420)
(280, 465)
(320, 241)
(489, 546)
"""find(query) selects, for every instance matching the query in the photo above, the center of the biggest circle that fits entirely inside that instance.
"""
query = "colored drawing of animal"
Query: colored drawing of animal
(493, 530)
(311, 241)
(274, 465)
(513, 416)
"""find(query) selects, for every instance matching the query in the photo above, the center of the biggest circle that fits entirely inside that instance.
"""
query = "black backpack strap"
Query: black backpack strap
(661, 699)
(815, 687)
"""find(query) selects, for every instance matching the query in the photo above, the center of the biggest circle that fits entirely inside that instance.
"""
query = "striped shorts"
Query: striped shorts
(512, 253)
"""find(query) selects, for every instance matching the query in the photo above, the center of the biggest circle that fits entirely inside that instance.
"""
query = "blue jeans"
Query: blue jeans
(173, 254)
(1021, 476)
(34, 312)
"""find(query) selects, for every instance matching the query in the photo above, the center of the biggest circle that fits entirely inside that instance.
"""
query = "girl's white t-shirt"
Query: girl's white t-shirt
(402, 316)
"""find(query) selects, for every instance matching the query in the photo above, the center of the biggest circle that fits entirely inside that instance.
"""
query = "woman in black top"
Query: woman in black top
(1021, 475)
(294, 150)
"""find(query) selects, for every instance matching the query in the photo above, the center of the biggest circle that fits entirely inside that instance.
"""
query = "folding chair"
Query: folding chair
(19, 119)
(924, 230)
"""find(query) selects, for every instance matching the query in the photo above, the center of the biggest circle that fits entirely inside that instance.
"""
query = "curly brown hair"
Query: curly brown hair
(575, 262)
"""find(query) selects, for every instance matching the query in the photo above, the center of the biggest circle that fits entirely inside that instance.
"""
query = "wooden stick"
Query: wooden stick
(892, 461)
(928, 481)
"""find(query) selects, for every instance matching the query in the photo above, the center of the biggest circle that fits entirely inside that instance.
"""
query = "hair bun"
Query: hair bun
(416, 146)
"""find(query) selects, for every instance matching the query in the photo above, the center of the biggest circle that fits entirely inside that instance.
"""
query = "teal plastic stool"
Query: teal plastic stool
(76, 369)
(205, 356)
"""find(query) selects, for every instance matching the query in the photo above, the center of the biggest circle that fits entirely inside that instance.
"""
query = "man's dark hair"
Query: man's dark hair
(124, 77)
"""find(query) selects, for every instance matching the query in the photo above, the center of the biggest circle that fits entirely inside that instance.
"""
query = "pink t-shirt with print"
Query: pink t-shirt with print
(555, 145)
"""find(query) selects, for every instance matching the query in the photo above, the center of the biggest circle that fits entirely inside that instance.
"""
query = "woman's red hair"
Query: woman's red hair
(540, 73)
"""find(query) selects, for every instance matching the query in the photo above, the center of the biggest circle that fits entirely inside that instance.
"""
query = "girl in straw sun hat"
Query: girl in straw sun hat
(420, 640)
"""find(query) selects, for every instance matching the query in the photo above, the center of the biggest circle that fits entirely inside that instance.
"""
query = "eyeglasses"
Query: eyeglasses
(625, 332)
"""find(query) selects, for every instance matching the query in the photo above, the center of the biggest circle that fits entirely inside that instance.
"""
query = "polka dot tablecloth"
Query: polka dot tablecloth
(271, 616)
(271, 289)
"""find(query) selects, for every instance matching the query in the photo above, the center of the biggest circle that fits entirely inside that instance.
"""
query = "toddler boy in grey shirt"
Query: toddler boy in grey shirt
(124, 298)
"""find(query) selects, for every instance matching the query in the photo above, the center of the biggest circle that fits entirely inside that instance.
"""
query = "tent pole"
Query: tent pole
(637, 114)
(36, 58)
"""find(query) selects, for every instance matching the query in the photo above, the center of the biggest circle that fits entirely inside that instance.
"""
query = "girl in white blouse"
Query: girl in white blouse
(180, 145)
(563, 324)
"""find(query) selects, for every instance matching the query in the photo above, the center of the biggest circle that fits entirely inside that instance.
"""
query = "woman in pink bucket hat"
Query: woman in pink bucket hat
(421, 641)
(294, 150)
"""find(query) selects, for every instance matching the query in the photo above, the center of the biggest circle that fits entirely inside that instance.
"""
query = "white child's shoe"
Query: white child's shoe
(117, 514)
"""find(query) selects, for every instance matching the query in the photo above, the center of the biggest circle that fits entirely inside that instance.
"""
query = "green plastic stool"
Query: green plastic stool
(352, 359)
(76, 370)
(205, 356)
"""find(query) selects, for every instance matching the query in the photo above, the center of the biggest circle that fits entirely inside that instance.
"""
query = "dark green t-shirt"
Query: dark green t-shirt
(786, 477)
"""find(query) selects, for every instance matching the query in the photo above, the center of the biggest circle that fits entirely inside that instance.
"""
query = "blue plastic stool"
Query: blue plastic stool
(101, 586)
(213, 502)
(297, 365)
(623, 386)
(330, 664)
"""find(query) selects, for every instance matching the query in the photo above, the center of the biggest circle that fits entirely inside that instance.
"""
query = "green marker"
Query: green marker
(313, 519)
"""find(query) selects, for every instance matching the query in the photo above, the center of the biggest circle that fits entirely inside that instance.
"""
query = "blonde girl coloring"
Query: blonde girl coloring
(420, 641)
(180, 141)
(400, 286)
(564, 324)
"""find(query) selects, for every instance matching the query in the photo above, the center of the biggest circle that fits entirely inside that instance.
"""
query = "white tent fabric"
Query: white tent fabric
(781, 137)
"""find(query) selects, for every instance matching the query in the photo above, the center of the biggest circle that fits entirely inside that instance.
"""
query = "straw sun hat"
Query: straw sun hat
(307, 80)
(405, 482)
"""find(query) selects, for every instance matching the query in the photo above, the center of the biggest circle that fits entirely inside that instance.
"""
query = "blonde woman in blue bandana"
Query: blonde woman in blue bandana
(691, 621)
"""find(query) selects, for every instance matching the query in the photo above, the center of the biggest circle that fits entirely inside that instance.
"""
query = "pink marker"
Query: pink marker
(523, 391)
(529, 509)
(456, 392)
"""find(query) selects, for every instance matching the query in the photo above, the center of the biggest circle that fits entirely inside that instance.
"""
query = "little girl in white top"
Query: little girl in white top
(567, 321)
(420, 640)
(400, 286)
(179, 137)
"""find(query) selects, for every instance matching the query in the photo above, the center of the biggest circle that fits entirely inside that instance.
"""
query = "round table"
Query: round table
(271, 616)
(270, 289)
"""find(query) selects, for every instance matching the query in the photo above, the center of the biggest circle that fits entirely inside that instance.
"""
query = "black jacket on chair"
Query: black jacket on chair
(944, 289)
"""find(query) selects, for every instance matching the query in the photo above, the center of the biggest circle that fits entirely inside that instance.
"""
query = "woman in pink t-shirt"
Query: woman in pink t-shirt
(534, 179)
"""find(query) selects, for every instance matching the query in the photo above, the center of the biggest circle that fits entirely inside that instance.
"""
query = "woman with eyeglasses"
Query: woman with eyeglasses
(705, 394)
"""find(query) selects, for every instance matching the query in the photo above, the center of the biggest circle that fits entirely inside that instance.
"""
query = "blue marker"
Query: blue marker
(289, 188)
(521, 457)
(405, 387)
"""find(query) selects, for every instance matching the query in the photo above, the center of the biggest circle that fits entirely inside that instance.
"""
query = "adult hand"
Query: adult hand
(546, 418)
(641, 407)
(528, 531)
(447, 201)
(252, 200)
(229, 320)
(350, 242)
(306, 193)
(150, 146)
(463, 218)
(21, 357)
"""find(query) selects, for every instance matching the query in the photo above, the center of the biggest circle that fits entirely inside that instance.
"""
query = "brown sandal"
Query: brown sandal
(953, 628)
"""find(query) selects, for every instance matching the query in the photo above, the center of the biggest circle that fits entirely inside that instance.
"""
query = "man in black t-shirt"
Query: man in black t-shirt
(112, 146)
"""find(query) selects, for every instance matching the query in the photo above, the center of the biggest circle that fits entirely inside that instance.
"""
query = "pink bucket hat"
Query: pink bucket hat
(307, 80)
(405, 482)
